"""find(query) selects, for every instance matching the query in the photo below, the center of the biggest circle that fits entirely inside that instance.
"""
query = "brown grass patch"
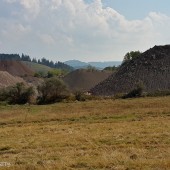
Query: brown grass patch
(107, 134)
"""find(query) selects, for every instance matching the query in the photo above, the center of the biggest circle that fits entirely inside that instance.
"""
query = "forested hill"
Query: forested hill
(10, 57)
(44, 61)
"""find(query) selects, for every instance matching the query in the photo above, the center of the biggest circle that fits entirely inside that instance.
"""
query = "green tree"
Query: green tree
(136, 92)
(51, 91)
(25, 57)
(91, 68)
(114, 68)
(131, 55)
(56, 73)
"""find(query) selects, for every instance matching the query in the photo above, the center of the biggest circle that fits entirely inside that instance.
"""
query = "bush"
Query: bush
(118, 96)
(158, 93)
(40, 74)
(131, 55)
(79, 96)
(114, 68)
(51, 91)
(56, 73)
(137, 92)
(37, 75)
(18, 94)
(91, 68)
(3, 94)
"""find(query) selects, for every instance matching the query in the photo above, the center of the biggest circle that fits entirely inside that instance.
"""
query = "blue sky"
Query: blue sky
(138, 9)
(87, 30)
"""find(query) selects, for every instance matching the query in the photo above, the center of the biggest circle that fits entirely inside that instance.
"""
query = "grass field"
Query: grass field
(103, 135)
(37, 67)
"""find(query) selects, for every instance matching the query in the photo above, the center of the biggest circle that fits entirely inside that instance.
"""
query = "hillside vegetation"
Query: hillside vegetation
(38, 68)
(43, 61)
(106, 134)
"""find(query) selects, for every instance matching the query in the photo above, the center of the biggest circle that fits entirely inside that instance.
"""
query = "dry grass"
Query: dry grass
(107, 134)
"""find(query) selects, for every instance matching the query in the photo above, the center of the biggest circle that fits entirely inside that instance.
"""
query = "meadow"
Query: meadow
(131, 134)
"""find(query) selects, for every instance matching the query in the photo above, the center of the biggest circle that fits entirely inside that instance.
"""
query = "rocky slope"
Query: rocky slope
(151, 68)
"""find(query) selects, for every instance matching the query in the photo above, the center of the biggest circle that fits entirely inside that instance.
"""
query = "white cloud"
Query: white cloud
(158, 16)
(31, 6)
(55, 4)
(74, 28)
(13, 31)
(47, 39)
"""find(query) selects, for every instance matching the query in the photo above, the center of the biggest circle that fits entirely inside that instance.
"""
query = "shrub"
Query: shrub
(51, 91)
(40, 74)
(131, 55)
(79, 96)
(114, 68)
(56, 73)
(37, 75)
(118, 96)
(18, 94)
(137, 92)
(3, 94)
(91, 68)
(158, 93)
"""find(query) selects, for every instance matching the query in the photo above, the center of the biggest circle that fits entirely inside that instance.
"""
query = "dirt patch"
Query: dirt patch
(7, 79)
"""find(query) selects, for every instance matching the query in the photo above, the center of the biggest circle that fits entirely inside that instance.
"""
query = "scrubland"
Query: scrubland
(104, 135)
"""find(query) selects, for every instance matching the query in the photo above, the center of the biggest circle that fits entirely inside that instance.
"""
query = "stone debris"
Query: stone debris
(152, 68)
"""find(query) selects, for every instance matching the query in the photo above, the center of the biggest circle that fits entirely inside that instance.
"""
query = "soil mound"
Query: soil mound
(83, 80)
(15, 67)
(7, 79)
(151, 68)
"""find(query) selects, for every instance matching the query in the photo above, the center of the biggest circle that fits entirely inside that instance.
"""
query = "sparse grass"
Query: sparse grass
(107, 134)
(37, 67)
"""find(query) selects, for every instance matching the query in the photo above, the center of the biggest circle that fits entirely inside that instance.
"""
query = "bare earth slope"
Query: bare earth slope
(15, 67)
(83, 80)
(152, 68)
(7, 79)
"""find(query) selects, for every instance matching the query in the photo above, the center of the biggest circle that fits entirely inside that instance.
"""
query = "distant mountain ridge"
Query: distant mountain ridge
(100, 65)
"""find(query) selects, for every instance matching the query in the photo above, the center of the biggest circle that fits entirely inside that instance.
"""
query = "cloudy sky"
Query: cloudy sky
(88, 30)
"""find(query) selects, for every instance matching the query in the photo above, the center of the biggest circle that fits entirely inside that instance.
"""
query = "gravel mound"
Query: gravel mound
(83, 80)
(151, 68)
(7, 79)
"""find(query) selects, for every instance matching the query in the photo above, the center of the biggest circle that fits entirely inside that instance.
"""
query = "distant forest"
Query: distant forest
(44, 61)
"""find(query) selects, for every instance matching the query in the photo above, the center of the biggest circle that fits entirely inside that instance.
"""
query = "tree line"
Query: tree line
(44, 61)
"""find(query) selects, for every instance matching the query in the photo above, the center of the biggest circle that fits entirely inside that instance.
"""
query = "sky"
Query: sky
(86, 30)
